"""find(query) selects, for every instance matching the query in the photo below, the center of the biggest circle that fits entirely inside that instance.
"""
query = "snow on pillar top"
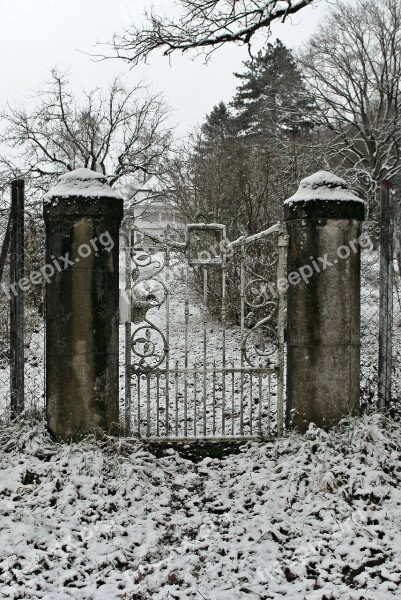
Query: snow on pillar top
(81, 183)
(323, 185)
(321, 195)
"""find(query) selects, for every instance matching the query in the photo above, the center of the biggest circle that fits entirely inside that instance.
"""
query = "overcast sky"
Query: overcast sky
(36, 35)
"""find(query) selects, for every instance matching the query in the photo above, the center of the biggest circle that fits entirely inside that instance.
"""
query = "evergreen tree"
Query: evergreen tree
(249, 156)
(219, 124)
(272, 97)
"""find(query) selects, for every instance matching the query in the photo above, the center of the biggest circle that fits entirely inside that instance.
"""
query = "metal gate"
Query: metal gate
(204, 349)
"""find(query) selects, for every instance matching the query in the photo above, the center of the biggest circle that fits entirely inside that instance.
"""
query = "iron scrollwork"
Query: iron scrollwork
(148, 343)
(259, 343)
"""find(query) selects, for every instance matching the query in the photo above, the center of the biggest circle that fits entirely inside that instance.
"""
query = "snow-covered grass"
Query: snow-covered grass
(315, 517)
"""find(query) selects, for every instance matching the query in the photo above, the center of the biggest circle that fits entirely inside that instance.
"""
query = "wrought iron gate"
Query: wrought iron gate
(204, 350)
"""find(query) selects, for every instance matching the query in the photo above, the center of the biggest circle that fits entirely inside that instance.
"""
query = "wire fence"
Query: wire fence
(33, 326)
(22, 320)
(395, 406)
(370, 296)
(5, 376)
(370, 316)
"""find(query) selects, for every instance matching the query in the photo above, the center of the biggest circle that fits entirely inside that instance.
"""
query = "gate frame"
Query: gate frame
(282, 245)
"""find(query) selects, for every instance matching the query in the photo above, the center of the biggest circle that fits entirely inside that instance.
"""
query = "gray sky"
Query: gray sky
(36, 35)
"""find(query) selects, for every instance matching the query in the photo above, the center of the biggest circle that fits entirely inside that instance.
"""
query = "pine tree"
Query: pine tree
(249, 156)
(219, 124)
(272, 97)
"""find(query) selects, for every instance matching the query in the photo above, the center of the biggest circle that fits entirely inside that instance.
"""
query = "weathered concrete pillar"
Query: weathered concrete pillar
(82, 217)
(323, 335)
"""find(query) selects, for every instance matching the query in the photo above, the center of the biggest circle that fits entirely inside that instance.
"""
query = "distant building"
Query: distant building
(154, 213)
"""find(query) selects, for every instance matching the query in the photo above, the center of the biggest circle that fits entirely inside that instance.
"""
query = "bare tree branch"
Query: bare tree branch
(203, 24)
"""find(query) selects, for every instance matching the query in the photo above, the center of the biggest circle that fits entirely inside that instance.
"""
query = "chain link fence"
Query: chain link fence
(21, 311)
(5, 376)
(370, 296)
(370, 316)
(395, 406)
(34, 322)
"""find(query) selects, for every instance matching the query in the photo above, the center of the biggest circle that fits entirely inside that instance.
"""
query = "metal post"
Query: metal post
(281, 269)
(386, 295)
(128, 289)
(17, 299)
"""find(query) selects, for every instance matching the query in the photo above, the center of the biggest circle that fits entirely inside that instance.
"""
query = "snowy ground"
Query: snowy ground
(314, 517)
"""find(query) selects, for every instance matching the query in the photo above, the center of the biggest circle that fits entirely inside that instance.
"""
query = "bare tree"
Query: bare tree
(119, 132)
(353, 64)
(203, 24)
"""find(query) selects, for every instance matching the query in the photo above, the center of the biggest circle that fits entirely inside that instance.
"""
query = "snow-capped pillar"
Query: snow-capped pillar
(323, 323)
(82, 216)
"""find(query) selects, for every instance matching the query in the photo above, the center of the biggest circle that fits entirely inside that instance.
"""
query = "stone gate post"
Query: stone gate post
(82, 218)
(323, 323)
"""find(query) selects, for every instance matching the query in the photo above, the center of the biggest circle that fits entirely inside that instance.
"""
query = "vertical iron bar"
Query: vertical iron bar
(167, 264)
(204, 345)
(186, 319)
(232, 397)
(260, 405)
(214, 397)
(269, 404)
(242, 292)
(148, 404)
(17, 318)
(223, 320)
(128, 353)
(176, 398)
(282, 250)
(139, 404)
(157, 404)
(386, 295)
(195, 394)
(250, 402)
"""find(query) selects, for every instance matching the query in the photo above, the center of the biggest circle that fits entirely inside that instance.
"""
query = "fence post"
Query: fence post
(82, 217)
(17, 317)
(323, 299)
(386, 295)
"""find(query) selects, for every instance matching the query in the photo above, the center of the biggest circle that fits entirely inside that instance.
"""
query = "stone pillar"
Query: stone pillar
(82, 217)
(323, 321)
